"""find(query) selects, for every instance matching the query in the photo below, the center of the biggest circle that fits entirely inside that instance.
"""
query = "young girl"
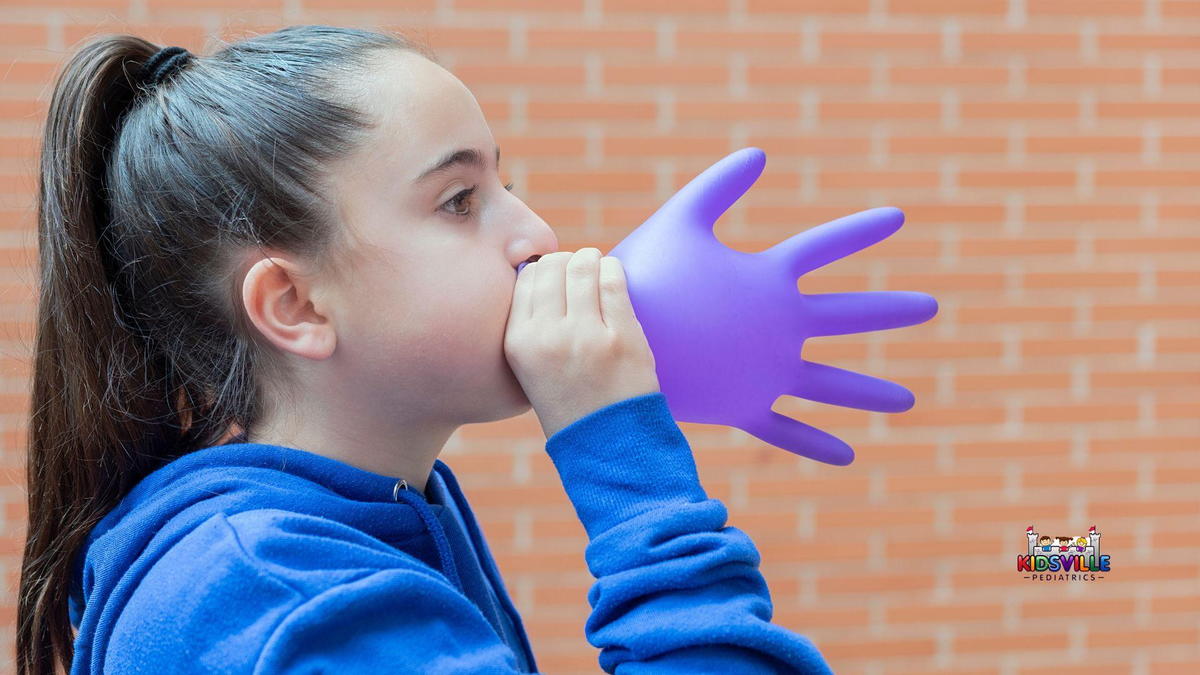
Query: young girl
(274, 282)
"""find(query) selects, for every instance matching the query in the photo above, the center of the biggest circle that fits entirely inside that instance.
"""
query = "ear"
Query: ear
(285, 303)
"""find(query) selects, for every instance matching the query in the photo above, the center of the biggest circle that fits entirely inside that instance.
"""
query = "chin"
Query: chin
(504, 401)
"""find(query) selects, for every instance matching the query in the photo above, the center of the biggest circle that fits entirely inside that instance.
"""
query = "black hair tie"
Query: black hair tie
(164, 62)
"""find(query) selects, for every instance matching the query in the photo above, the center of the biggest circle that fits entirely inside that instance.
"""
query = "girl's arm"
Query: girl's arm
(676, 590)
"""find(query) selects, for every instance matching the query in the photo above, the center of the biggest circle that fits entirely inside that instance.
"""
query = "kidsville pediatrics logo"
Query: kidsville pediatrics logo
(1063, 558)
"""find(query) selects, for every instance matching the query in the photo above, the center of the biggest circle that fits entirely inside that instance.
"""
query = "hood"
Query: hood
(170, 502)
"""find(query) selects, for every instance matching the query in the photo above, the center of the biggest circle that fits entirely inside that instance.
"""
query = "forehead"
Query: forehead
(422, 111)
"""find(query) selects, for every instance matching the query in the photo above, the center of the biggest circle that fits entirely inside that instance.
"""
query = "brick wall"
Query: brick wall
(1047, 156)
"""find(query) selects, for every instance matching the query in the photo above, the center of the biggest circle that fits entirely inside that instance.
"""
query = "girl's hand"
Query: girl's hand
(572, 338)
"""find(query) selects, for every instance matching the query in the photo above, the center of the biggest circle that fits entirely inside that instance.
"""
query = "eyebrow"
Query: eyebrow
(462, 156)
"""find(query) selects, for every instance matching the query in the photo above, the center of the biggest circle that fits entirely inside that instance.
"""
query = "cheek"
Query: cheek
(461, 324)
(475, 320)
(437, 319)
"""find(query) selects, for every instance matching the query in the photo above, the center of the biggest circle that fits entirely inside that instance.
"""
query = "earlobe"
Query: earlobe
(279, 303)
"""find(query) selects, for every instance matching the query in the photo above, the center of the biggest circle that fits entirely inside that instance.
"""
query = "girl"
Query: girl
(274, 281)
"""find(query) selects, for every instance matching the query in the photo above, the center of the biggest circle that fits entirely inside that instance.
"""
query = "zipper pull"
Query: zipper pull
(396, 489)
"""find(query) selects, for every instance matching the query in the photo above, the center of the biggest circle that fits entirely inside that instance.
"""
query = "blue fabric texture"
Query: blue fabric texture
(475, 566)
(258, 558)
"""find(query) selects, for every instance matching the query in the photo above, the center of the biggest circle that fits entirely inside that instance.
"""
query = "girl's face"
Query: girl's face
(421, 312)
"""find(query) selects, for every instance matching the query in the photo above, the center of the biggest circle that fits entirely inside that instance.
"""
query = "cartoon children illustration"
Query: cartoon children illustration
(1064, 544)
(1080, 544)
(1045, 542)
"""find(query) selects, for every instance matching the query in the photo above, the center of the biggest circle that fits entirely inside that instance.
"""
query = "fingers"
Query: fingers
(818, 246)
(615, 307)
(522, 302)
(799, 438)
(584, 284)
(583, 289)
(549, 297)
(710, 194)
(863, 311)
(837, 386)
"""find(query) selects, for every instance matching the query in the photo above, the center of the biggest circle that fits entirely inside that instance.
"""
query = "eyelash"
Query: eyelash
(457, 199)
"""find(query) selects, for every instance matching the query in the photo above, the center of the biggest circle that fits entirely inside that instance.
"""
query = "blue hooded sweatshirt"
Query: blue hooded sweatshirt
(257, 558)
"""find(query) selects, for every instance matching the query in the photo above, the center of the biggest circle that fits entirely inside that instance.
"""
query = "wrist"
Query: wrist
(623, 460)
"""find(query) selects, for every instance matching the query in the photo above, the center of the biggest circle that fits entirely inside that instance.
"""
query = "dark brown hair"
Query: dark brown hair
(145, 199)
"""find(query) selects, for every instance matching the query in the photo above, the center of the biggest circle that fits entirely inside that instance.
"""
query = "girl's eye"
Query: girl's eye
(459, 198)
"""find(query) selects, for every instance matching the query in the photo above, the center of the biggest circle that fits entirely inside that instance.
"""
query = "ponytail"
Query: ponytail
(144, 199)
(97, 402)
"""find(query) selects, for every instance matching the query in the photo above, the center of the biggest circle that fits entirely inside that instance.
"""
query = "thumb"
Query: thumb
(711, 193)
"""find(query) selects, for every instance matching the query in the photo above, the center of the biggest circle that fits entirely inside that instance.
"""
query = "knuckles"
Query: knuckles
(562, 343)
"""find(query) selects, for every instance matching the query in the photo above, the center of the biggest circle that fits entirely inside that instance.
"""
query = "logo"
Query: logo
(1063, 558)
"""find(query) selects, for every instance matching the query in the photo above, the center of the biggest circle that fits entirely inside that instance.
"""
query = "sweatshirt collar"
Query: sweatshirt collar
(345, 479)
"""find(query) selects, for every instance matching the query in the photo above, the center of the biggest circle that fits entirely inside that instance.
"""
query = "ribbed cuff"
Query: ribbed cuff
(623, 460)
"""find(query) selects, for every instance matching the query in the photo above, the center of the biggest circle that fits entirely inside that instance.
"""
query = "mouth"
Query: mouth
(532, 258)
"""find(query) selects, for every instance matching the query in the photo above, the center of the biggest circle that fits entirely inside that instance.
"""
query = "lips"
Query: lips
(532, 258)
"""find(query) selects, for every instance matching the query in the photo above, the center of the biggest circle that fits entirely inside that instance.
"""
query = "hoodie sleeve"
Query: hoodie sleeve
(676, 591)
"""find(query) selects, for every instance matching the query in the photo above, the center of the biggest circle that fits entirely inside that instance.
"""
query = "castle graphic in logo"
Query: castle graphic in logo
(1063, 558)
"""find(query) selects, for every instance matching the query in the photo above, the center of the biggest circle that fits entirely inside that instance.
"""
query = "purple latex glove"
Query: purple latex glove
(727, 327)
